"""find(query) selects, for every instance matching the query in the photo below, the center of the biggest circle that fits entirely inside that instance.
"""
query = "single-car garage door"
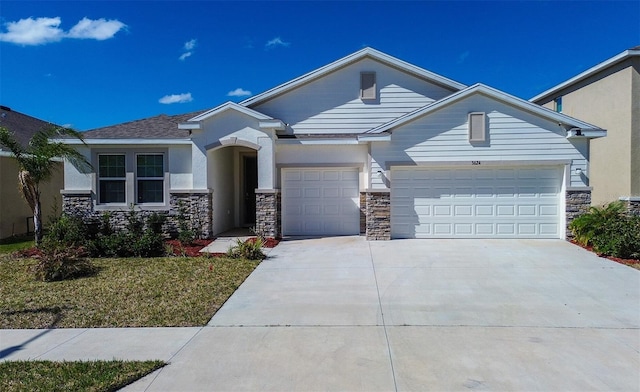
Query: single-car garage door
(506, 202)
(320, 201)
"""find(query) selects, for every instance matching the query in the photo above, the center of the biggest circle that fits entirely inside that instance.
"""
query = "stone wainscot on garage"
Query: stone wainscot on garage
(368, 144)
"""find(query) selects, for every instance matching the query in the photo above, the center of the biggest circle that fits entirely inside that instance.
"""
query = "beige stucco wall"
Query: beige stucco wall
(610, 100)
(14, 210)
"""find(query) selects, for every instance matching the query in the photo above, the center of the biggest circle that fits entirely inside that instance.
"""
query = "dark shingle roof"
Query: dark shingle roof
(23, 126)
(158, 127)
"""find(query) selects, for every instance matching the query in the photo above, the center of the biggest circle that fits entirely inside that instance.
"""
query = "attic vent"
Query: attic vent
(477, 127)
(368, 85)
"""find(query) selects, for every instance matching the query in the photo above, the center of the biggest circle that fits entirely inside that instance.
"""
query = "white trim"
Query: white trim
(319, 165)
(276, 125)
(591, 71)
(190, 191)
(480, 163)
(377, 190)
(343, 62)
(76, 191)
(382, 137)
(579, 188)
(267, 191)
(146, 142)
(318, 141)
(538, 110)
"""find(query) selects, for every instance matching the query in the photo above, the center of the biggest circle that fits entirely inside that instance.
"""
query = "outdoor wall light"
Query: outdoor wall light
(578, 171)
(380, 175)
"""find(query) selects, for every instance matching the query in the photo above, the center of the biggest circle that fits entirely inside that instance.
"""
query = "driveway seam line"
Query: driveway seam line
(173, 356)
(384, 324)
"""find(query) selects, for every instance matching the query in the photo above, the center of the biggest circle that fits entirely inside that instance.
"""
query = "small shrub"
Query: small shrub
(66, 230)
(609, 231)
(60, 263)
(155, 222)
(149, 245)
(186, 234)
(135, 224)
(251, 250)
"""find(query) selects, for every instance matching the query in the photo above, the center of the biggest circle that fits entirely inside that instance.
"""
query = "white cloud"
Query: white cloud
(99, 29)
(239, 92)
(176, 98)
(275, 43)
(40, 31)
(33, 31)
(188, 47)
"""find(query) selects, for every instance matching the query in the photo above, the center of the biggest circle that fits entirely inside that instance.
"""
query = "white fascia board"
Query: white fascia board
(538, 110)
(94, 142)
(591, 71)
(189, 126)
(318, 141)
(585, 133)
(230, 106)
(352, 58)
(276, 125)
(381, 137)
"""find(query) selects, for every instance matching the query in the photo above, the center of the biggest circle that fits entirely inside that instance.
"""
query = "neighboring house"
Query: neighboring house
(15, 215)
(608, 95)
(366, 144)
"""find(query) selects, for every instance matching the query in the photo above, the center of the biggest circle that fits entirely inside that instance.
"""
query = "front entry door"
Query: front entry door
(250, 183)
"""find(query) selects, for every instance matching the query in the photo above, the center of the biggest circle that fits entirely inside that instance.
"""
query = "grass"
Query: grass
(134, 292)
(72, 376)
(12, 244)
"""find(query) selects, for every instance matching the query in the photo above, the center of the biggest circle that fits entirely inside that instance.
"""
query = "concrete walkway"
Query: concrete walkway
(345, 314)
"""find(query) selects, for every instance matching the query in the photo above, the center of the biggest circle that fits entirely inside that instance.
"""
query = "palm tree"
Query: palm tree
(35, 164)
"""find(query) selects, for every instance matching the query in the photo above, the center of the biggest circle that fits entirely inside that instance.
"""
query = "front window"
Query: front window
(111, 178)
(150, 178)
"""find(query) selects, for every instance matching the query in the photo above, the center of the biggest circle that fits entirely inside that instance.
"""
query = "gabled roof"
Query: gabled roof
(22, 125)
(498, 95)
(635, 51)
(226, 107)
(158, 127)
(350, 59)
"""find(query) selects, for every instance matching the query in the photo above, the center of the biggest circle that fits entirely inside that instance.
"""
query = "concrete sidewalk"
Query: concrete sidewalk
(350, 315)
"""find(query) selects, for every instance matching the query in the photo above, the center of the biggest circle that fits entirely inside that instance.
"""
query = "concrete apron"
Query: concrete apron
(345, 314)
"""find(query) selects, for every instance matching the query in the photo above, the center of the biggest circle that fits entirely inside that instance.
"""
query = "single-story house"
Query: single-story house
(368, 144)
(607, 94)
(16, 217)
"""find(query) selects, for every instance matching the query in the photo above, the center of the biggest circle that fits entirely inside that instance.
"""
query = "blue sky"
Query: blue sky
(89, 64)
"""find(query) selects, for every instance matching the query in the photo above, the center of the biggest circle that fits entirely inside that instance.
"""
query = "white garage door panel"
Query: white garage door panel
(320, 201)
(476, 203)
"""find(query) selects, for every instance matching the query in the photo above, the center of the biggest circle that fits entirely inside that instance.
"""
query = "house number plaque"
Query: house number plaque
(475, 163)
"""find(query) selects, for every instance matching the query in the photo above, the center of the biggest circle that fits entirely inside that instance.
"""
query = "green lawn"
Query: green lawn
(12, 244)
(135, 292)
(72, 376)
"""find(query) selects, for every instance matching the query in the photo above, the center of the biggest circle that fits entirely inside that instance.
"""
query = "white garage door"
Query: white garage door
(320, 201)
(514, 202)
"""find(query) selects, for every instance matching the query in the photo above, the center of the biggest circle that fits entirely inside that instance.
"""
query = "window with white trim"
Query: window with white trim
(477, 127)
(150, 178)
(111, 179)
(368, 85)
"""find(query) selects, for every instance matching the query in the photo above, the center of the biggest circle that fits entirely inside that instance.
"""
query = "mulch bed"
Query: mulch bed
(193, 250)
(268, 242)
(616, 259)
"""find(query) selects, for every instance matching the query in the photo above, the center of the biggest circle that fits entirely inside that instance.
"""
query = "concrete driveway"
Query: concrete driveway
(344, 314)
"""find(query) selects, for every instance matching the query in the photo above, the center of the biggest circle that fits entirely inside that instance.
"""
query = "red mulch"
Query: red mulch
(268, 242)
(191, 250)
(30, 252)
(616, 259)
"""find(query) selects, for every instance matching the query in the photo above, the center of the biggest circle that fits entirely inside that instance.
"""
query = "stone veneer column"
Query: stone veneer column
(577, 203)
(363, 212)
(378, 213)
(78, 203)
(199, 210)
(632, 204)
(269, 213)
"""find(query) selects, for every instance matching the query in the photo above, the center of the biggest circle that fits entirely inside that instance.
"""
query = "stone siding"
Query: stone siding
(577, 203)
(632, 206)
(197, 212)
(363, 213)
(378, 215)
(269, 214)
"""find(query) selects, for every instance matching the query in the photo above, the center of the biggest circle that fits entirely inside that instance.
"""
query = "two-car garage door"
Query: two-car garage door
(511, 202)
